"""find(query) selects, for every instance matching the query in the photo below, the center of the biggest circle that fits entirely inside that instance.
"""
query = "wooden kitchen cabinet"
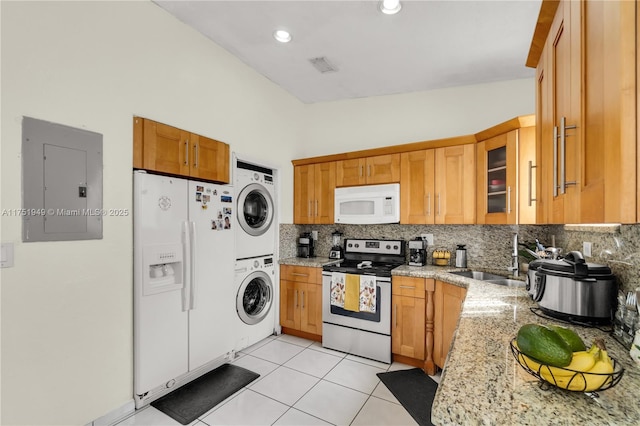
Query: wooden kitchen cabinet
(166, 149)
(417, 187)
(438, 186)
(408, 321)
(313, 193)
(455, 185)
(301, 301)
(448, 299)
(505, 170)
(586, 94)
(373, 170)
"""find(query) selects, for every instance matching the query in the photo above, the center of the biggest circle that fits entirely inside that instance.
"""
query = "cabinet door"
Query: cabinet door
(289, 304)
(325, 183)
(209, 159)
(417, 187)
(496, 178)
(351, 172)
(303, 194)
(564, 65)
(383, 169)
(448, 305)
(408, 326)
(527, 172)
(609, 146)
(138, 142)
(311, 308)
(455, 183)
(165, 148)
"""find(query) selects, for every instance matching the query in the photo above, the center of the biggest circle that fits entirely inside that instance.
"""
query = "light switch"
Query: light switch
(6, 260)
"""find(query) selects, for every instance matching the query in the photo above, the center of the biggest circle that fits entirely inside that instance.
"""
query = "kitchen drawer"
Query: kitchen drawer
(408, 286)
(304, 274)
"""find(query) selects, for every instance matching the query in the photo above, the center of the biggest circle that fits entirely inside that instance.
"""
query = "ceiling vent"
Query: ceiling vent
(322, 65)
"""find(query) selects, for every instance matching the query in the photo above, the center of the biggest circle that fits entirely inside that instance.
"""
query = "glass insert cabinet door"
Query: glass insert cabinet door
(497, 191)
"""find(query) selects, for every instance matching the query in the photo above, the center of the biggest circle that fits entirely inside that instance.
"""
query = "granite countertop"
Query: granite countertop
(313, 262)
(482, 384)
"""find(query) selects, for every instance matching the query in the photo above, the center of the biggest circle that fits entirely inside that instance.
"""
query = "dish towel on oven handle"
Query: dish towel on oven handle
(368, 294)
(337, 289)
(352, 293)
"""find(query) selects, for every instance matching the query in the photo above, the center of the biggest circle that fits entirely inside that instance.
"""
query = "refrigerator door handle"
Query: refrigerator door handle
(192, 263)
(186, 272)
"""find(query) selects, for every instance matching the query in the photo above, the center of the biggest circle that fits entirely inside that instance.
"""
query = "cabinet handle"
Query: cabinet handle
(295, 298)
(361, 171)
(438, 211)
(395, 315)
(302, 300)
(563, 149)
(429, 204)
(316, 208)
(195, 150)
(508, 199)
(369, 170)
(309, 209)
(531, 167)
(408, 286)
(298, 274)
(555, 161)
(186, 152)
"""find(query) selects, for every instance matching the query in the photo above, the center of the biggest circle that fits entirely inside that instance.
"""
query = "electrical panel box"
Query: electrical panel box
(62, 182)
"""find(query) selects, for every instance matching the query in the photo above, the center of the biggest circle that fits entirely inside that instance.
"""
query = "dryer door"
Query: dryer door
(255, 297)
(255, 209)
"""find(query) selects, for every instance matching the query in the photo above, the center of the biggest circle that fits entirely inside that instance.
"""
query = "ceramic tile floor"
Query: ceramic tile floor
(300, 383)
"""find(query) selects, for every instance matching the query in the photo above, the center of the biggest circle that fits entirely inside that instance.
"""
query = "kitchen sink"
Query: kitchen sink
(490, 278)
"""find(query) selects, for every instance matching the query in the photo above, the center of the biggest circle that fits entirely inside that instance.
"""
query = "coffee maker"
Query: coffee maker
(336, 247)
(306, 245)
(417, 252)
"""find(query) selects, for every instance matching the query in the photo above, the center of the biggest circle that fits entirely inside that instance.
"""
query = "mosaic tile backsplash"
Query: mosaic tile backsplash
(489, 246)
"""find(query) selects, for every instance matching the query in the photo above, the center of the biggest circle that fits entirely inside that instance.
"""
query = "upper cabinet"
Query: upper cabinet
(438, 186)
(313, 193)
(455, 184)
(378, 169)
(585, 58)
(505, 173)
(166, 149)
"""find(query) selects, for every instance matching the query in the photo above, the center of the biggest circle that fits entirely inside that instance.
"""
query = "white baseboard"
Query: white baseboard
(115, 416)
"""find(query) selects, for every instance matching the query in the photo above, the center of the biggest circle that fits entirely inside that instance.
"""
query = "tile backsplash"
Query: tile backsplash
(489, 246)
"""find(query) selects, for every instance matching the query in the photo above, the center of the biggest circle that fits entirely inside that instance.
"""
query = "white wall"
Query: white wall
(391, 120)
(67, 306)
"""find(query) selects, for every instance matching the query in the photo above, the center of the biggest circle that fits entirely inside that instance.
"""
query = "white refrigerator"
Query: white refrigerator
(184, 296)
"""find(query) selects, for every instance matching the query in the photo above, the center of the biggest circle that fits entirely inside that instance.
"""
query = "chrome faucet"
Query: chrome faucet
(515, 267)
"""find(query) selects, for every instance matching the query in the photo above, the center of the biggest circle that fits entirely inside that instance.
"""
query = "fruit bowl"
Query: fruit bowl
(564, 378)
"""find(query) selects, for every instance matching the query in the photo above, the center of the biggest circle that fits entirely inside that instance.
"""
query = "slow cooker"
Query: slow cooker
(574, 290)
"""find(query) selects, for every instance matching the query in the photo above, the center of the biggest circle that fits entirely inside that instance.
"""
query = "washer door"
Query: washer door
(255, 209)
(255, 297)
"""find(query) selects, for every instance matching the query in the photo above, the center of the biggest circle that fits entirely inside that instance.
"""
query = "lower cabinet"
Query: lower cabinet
(408, 317)
(301, 301)
(448, 299)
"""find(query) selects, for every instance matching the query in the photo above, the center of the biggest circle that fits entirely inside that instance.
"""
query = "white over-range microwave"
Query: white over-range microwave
(370, 204)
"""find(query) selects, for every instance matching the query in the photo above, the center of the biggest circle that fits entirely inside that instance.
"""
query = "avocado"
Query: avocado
(544, 344)
(573, 340)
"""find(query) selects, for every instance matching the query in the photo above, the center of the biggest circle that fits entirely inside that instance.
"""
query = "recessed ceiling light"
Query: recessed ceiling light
(390, 7)
(282, 36)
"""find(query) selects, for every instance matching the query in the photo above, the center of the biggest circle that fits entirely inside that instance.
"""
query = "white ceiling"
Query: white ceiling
(430, 44)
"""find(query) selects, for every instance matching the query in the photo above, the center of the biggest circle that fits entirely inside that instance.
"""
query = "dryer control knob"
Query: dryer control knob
(256, 264)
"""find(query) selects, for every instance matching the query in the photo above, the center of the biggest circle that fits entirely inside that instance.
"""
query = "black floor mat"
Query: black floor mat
(192, 400)
(415, 390)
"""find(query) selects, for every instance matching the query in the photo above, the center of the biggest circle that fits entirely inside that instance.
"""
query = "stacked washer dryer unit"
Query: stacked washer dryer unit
(255, 269)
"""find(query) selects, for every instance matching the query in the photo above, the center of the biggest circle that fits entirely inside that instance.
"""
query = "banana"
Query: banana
(580, 361)
(591, 379)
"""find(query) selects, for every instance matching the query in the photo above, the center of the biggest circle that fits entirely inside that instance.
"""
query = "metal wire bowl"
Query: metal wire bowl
(575, 381)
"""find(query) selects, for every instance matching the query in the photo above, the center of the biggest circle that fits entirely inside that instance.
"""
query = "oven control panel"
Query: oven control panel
(374, 246)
